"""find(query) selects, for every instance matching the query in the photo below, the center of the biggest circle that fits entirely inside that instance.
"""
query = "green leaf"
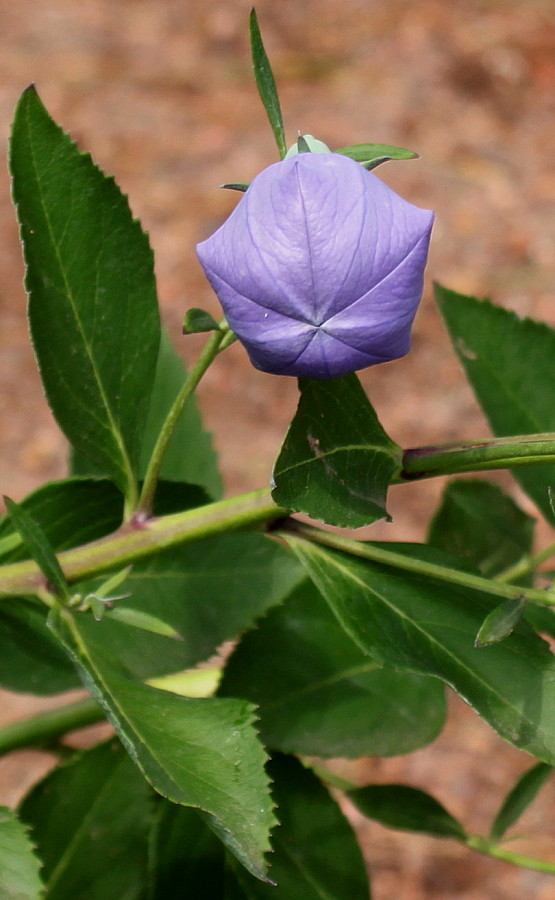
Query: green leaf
(519, 798)
(319, 694)
(406, 808)
(500, 622)
(186, 859)
(92, 297)
(90, 820)
(266, 84)
(240, 186)
(479, 522)
(69, 512)
(372, 155)
(336, 462)
(31, 661)
(207, 592)
(316, 856)
(38, 546)
(19, 867)
(413, 622)
(198, 320)
(509, 362)
(200, 753)
(190, 457)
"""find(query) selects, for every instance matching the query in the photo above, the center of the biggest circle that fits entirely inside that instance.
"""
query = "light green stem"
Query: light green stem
(216, 342)
(418, 566)
(482, 845)
(478, 456)
(527, 565)
(134, 541)
(45, 728)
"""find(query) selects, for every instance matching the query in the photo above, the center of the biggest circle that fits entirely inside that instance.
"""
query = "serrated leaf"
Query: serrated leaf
(38, 546)
(336, 462)
(200, 753)
(373, 155)
(500, 622)
(416, 623)
(406, 808)
(90, 820)
(519, 799)
(318, 694)
(479, 522)
(316, 856)
(509, 362)
(92, 297)
(266, 84)
(19, 867)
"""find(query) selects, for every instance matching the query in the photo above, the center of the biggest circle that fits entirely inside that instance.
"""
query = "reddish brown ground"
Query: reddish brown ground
(162, 94)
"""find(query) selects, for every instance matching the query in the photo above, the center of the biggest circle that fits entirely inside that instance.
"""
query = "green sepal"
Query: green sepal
(372, 155)
(196, 321)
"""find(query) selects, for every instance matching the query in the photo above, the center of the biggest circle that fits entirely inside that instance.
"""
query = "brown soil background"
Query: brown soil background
(162, 94)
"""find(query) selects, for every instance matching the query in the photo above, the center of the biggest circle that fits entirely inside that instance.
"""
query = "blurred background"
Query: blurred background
(161, 93)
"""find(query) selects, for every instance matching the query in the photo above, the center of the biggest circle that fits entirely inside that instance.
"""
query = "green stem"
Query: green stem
(528, 565)
(134, 541)
(216, 342)
(482, 845)
(46, 727)
(378, 554)
(494, 453)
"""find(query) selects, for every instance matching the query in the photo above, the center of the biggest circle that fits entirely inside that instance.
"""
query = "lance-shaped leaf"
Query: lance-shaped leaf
(336, 462)
(317, 692)
(519, 798)
(19, 867)
(406, 808)
(500, 622)
(373, 155)
(316, 856)
(90, 820)
(200, 753)
(415, 622)
(509, 363)
(92, 298)
(266, 84)
(39, 547)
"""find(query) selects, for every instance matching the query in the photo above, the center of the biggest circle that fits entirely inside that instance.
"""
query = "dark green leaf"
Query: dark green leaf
(236, 186)
(266, 84)
(500, 622)
(69, 512)
(200, 753)
(406, 808)
(372, 155)
(336, 462)
(190, 457)
(509, 363)
(198, 320)
(519, 798)
(319, 694)
(186, 858)
(414, 622)
(479, 522)
(19, 867)
(90, 820)
(92, 297)
(316, 856)
(31, 661)
(207, 592)
(38, 547)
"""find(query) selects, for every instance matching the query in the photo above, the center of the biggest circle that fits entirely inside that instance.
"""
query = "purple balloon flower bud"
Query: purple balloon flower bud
(319, 268)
